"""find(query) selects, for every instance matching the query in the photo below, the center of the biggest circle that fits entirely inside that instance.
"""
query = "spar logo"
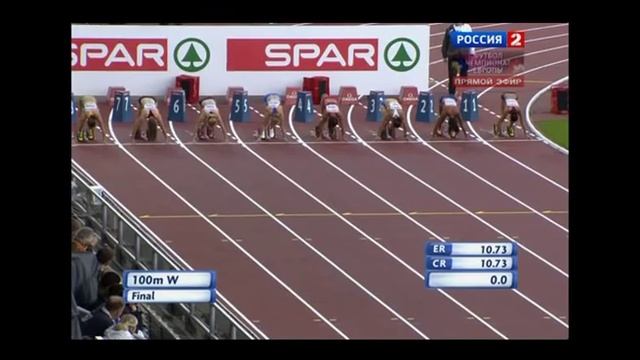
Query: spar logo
(302, 54)
(118, 54)
(401, 54)
(191, 55)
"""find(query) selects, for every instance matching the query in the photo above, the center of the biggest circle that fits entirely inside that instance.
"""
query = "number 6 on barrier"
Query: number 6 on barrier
(176, 106)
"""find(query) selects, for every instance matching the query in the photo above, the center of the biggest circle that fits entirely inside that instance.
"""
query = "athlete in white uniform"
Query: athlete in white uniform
(207, 120)
(511, 108)
(331, 116)
(393, 119)
(90, 116)
(147, 121)
(273, 115)
(449, 109)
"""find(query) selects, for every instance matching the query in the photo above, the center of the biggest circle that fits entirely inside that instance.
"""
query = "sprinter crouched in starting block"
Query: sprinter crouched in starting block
(207, 121)
(332, 117)
(89, 116)
(145, 126)
(449, 110)
(511, 109)
(273, 117)
(393, 119)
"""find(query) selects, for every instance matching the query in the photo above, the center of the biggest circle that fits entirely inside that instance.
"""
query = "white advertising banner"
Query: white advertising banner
(262, 59)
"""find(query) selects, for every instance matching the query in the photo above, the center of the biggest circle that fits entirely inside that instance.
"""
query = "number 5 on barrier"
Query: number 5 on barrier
(240, 107)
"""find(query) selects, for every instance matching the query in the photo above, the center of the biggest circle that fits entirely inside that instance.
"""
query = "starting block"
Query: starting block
(232, 90)
(111, 92)
(408, 95)
(348, 95)
(291, 95)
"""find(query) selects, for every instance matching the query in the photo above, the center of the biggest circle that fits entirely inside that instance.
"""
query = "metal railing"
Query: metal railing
(137, 247)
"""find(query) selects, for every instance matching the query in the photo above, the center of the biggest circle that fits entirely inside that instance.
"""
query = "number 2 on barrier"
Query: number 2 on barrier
(424, 105)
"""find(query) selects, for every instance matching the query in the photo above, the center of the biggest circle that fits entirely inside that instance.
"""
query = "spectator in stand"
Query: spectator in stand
(125, 329)
(107, 280)
(84, 268)
(76, 332)
(105, 255)
(116, 290)
(104, 317)
(129, 308)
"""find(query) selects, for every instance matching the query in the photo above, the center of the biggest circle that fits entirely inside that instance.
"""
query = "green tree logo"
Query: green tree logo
(191, 55)
(403, 59)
